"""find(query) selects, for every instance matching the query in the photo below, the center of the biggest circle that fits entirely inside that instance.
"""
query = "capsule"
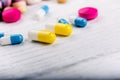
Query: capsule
(62, 20)
(61, 1)
(3, 34)
(42, 36)
(31, 2)
(78, 21)
(42, 12)
(60, 28)
(12, 39)
(20, 4)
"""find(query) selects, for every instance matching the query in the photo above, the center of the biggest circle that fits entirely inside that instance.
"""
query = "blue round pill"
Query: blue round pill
(80, 22)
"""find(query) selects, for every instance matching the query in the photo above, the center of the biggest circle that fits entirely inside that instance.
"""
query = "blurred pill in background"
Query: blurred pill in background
(31, 2)
(62, 20)
(61, 1)
(40, 14)
(11, 15)
(20, 4)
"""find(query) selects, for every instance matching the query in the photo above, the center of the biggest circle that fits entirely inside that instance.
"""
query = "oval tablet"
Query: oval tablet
(88, 13)
(11, 15)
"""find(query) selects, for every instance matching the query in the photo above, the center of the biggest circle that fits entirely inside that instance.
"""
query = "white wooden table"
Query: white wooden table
(91, 52)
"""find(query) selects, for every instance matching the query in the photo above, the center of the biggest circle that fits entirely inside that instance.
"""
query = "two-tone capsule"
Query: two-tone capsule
(12, 39)
(42, 12)
(78, 21)
(2, 35)
(60, 28)
(62, 20)
(44, 36)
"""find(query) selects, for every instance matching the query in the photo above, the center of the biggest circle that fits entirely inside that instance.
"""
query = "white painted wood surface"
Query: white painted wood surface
(91, 52)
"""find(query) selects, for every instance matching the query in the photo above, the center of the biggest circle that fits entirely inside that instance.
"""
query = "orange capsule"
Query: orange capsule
(61, 1)
(21, 5)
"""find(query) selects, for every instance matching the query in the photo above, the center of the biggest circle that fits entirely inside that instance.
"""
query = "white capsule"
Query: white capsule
(41, 12)
(12, 39)
(3, 34)
(31, 2)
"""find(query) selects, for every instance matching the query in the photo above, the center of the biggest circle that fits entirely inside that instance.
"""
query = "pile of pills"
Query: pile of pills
(11, 10)
(7, 9)
(62, 27)
(41, 12)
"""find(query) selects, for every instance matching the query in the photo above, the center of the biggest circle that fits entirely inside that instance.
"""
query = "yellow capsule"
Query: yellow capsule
(60, 28)
(42, 36)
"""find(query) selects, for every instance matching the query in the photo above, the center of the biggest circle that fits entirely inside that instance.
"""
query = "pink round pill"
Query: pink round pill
(88, 13)
(11, 15)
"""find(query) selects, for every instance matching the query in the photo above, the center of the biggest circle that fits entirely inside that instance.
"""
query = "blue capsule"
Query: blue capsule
(2, 35)
(16, 39)
(12, 39)
(64, 21)
(78, 21)
(45, 8)
(40, 14)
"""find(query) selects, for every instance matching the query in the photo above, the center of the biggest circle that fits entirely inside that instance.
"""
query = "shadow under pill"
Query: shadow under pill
(41, 43)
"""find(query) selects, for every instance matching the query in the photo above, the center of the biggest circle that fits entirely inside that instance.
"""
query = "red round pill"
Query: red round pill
(88, 13)
(11, 15)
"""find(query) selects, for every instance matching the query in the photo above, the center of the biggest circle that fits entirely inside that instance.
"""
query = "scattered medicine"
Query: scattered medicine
(44, 36)
(12, 39)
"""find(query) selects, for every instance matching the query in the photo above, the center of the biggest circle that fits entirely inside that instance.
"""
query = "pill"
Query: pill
(11, 15)
(78, 21)
(3, 34)
(44, 36)
(12, 39)
(31, 2)
(60, 28)
(88, 13)
(21, 5)
(7, 8)
(62, 20)
(61, 1)
(42, 12)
